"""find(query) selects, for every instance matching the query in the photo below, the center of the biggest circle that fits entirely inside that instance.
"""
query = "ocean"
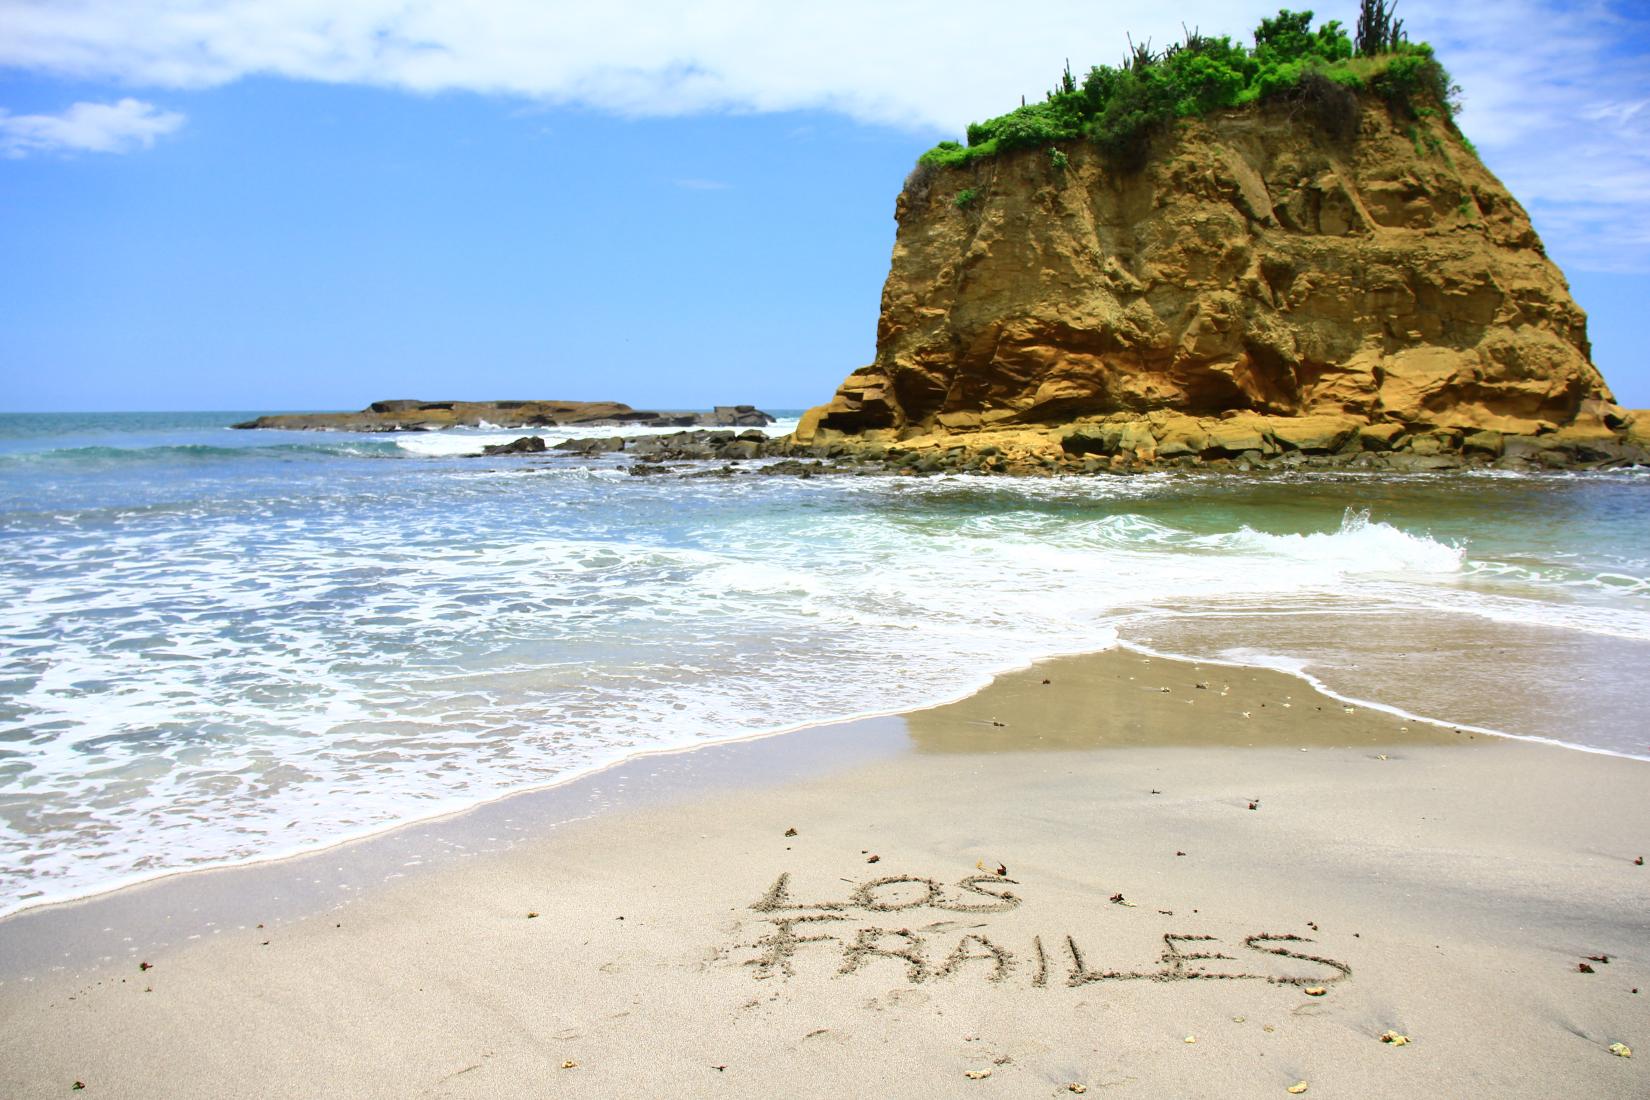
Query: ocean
(219, 646)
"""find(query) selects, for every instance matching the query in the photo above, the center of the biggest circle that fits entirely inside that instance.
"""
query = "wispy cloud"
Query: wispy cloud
(702, 185)
(898, 63)
(1558, 102)
(1555, 88)
(116, 127)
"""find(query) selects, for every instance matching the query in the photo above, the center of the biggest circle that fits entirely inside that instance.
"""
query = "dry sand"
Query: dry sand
(1181, 870)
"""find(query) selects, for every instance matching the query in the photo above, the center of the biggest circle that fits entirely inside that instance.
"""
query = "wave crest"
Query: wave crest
(95, 455)
(1361, 545)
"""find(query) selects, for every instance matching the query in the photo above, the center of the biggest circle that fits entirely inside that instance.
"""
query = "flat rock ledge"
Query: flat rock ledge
(429, 416)
(1127, 444)
(1132, 443)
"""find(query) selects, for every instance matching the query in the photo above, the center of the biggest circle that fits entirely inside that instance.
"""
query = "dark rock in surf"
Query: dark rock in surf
(526, 445)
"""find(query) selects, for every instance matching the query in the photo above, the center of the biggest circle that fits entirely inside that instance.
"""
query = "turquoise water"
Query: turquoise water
(220, 645)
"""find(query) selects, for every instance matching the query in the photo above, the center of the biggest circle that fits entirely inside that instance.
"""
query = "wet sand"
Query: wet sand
(1117, 881)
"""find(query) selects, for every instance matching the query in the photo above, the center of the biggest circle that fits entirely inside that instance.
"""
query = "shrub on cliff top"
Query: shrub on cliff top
(1120, 109)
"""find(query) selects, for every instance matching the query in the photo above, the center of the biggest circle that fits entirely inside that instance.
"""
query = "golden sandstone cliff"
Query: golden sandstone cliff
(1258, 291)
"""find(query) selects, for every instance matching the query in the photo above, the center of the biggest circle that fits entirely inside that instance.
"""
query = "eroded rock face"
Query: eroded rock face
(1254, 264)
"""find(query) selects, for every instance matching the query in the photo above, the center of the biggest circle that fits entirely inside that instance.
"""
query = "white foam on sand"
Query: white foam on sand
(189, 693)
(469, 441)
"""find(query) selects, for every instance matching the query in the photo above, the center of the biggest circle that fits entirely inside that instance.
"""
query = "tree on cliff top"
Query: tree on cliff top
(1377, 31)
(1121, 108)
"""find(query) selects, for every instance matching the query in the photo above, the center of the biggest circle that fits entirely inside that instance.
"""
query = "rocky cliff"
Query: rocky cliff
(1258, 286)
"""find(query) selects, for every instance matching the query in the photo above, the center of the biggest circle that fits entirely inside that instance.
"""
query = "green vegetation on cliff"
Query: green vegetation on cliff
(1121, 108)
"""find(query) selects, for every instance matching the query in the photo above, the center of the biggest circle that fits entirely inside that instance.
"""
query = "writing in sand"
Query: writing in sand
(859, 934)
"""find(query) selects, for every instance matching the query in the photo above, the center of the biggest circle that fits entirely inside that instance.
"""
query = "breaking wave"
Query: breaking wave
(1361, 545)
(269, 654)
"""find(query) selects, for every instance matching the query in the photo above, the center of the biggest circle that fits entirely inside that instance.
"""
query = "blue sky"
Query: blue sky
(247, 205)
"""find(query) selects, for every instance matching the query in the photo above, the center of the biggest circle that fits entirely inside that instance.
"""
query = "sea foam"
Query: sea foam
(1359, 546)
(469, 441)
(209, 658)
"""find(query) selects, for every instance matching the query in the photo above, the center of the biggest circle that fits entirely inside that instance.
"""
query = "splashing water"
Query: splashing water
(223, 645)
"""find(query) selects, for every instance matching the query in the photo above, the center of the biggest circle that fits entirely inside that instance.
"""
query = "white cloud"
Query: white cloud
(1558, 101)
(87, 127)
(1554, 100)
(887, 61)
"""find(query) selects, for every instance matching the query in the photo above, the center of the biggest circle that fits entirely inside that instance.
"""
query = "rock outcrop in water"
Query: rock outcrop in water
(405, 416)
(1260, 290)
(526, 445)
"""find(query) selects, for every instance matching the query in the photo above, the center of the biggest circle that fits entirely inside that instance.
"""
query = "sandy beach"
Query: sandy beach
(636, 551)
(1109, 874)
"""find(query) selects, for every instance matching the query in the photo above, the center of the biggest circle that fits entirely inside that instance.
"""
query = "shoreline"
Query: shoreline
(639, 756)
(627, 939)
(437, 815)
(594, 772)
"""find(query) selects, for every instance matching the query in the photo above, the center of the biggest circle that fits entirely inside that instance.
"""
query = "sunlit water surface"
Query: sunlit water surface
(220, 645)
